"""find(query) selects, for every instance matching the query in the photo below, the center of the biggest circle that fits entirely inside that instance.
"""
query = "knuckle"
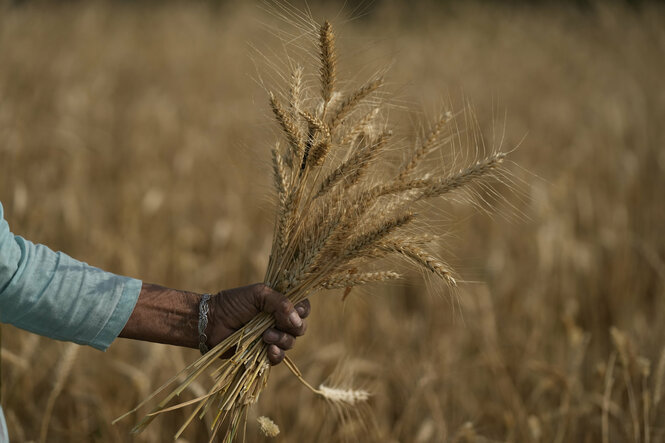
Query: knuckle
(272, 335)
(284, 306)
(259, 289)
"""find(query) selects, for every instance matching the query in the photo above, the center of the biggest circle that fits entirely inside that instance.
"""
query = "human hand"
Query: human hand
(170, 316)
(231, 309)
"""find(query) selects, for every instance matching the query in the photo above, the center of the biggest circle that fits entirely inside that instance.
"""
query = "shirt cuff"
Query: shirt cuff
(119, 316)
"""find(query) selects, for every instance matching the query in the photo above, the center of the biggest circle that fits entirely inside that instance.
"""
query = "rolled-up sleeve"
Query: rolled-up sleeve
(51, 294)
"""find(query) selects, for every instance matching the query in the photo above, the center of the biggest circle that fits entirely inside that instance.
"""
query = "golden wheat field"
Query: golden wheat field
(137, 136)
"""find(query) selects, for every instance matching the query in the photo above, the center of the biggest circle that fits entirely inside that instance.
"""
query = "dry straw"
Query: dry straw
(343, 209)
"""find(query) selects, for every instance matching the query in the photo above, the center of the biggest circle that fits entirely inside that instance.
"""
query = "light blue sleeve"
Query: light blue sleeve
(51, 294)
(4, 435)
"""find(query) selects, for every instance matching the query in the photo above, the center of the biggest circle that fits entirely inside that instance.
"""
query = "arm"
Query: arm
(51, 294)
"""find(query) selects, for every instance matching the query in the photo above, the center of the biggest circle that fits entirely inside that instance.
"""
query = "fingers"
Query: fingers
(287, 318)
(289, 321)
(303, 308)
(275, 355)
(279, 342)
(276, 337)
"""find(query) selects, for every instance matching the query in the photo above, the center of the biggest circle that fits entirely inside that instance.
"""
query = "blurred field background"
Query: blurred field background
(134, 136)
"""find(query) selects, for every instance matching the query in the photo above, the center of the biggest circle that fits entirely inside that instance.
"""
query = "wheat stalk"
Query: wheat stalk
(332, 222)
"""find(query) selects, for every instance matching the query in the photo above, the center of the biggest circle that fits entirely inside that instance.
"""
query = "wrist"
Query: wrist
(218, 329)
(164, 315)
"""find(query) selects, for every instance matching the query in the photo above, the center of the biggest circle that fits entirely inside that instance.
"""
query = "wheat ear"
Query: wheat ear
(346, 280)
(352, 100)
(465, 176)
(295, 90)
(328, 62)
(423, 258)
(289, 128)
(428, 145)
(280, 176)
(358, 127)
(268, 427)
(363, 241)
(352, 169)
(319, 149)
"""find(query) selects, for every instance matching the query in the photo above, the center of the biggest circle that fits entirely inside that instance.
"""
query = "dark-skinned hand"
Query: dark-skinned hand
(233, 308)
(170, 316)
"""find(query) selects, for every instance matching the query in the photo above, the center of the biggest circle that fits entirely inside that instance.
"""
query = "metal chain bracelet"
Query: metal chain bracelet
(204, 309)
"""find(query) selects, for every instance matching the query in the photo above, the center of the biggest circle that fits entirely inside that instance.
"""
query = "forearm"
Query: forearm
(164, 315)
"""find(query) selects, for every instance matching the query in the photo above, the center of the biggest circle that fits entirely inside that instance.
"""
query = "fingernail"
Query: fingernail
(271, 335)
(295, 319)
(301, 311)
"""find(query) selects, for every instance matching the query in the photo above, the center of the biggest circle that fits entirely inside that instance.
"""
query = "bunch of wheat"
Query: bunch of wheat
(340, 211)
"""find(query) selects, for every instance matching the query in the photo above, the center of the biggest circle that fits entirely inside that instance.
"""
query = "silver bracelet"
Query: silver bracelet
(203, 323)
